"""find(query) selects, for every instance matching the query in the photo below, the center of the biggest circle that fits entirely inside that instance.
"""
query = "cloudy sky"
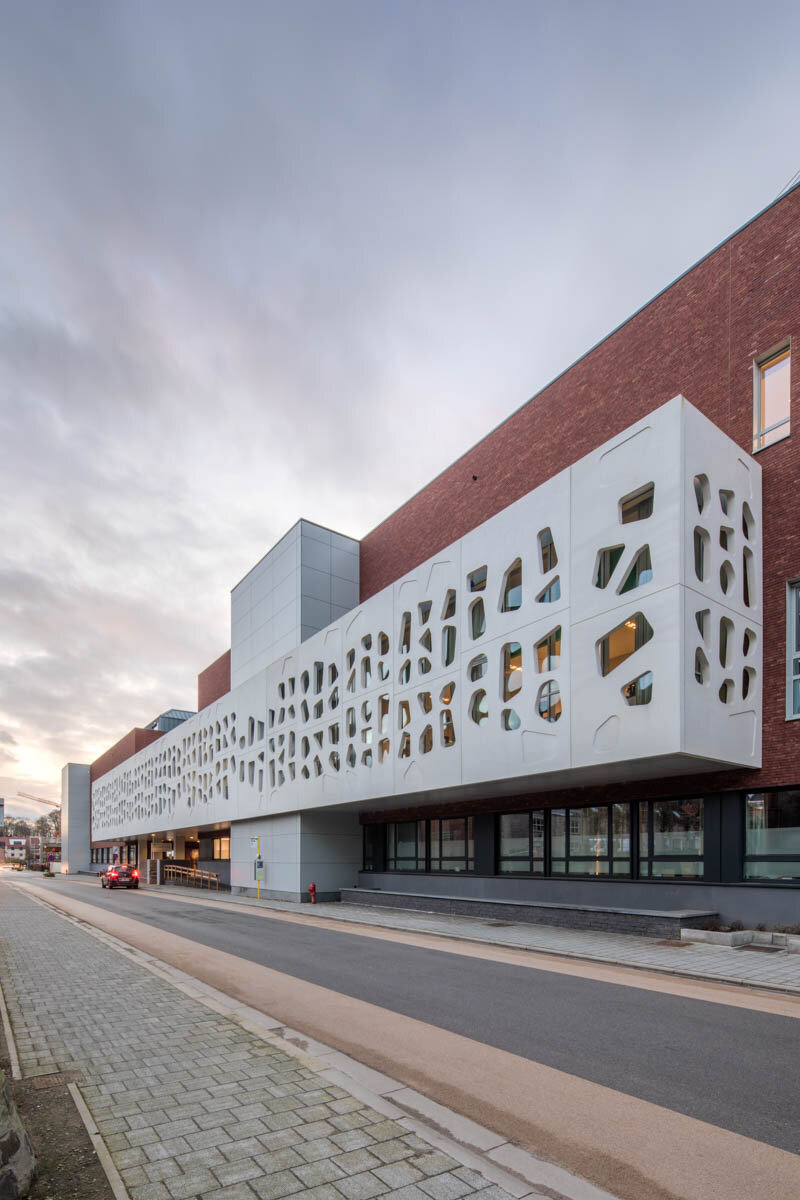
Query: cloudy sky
(261, 260)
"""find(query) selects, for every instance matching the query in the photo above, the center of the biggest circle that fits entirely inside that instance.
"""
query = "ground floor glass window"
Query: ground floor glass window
(772, 835)
(671, 839)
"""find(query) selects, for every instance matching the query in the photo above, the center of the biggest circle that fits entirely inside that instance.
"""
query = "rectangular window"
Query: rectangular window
(372, 843)
(406, 846)
(591, 841)
(521, 843)
(452, 844)
(221, 849)
(772, 836)
(793, 649)
(772, 400)
(671, 839)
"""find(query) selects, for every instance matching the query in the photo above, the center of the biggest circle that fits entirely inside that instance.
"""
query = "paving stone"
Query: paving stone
(400, 1174)
(315, 1173)
(184, 1186)
(273, 1187)
(351, 1139)
(445, 1187)
(133, 1157)
(394, 1150)
(165, 1168)
(279, 1160)
(355, 1161)
(239, 1171)
(150, 1191)
(319, 1148)
(235, 1191)
(361, 1187)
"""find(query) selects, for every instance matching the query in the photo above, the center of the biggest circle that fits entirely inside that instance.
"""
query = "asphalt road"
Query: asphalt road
(733, 1067)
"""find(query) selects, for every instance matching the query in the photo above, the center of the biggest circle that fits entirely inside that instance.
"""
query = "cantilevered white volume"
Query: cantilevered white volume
(607, 625)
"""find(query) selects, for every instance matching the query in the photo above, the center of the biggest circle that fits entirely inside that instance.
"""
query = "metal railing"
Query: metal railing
(189, 876)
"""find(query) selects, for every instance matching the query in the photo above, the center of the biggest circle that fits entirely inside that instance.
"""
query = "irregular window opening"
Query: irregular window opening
(726, 691)
(476, 580)
(366, 641)
(405, 633)
(512, 669)
(548, 556)
(548, 702)
(638, 505)
(404, 710)
(748, 642)
(333, 734)
(509, 719)
(350, 721)
(641, 572)
(623, 641)
(479, 707)
(748, 678)
(351, 659)
(366, 735)
(702, 620)
(333, 759)
(425, 701)
(477, 618)
(304, 771)
(383, 750)
(426, 740)
(748, 524)
(304, 681)
(447, 693)
(351, 758)
(383, 713)
(317, 766)
(748, 573)
(383, 644)
(702, 493)
(725, 500)
(366, 672)
(291, 685)
(318, 708)
(304, 709)
(512, 587)
(366, 711)
(726, 577)
(319, 736)
(333, 699)
(383, 670)
(725, 641)
(281, 692)
(551, 593)
(333, 674)
(424, 611)
(726, 538)
(319, 677)
(271, 723)
(425, 641)
(639, 690)
(305, 747)
(548, 651)
(448, 729)
(405, 746)
(405, 672)
(478, 668)
(366, 758)
(351, 682)
(607, 560)
(448, 644)
(701, 544)
(449, 608)
(424, 666)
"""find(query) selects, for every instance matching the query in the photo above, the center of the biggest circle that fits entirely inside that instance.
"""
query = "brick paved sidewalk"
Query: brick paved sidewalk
(777, 970)
(190, 1103)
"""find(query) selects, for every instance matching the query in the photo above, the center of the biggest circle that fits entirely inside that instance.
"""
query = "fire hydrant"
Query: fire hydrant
(312, 891)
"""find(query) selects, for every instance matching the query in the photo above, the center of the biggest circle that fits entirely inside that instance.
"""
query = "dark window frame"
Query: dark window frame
(761, 881)
(647, 859)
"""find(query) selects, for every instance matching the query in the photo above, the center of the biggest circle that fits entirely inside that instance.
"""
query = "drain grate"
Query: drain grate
(499, 924)
(762, 949)
(57, 1079)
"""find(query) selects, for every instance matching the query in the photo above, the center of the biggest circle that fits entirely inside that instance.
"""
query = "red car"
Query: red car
(120, 876)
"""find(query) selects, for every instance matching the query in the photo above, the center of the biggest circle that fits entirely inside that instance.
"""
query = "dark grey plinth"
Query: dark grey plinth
(650, 922)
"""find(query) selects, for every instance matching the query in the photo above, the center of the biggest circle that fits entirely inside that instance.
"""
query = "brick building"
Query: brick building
(566, 672)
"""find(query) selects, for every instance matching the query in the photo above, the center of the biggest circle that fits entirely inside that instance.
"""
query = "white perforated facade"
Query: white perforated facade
(489, 668)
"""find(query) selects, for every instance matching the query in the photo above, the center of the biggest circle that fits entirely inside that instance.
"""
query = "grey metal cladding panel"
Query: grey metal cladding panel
(315, 554)
(345, 565)
(316, 584)
(315, 612)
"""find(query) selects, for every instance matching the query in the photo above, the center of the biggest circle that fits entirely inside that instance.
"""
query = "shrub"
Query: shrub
(735, 926)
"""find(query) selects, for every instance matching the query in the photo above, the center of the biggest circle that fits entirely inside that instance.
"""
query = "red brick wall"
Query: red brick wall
(127, 746)
(699, 337)
(214, 681)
